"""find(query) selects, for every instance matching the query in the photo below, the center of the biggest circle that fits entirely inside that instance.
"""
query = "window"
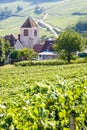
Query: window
(25, 32)
(35, 32)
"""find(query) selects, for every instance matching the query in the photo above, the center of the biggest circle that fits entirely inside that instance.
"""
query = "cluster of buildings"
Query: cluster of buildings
(29, 38)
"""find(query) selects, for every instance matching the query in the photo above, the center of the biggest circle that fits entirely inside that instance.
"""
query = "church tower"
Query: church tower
(29, 33)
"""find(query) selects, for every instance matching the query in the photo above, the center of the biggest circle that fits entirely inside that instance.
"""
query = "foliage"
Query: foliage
(15, 55)
(84, 34)
(81, 26)
(30, 103)
(29, 53)
(4, 50)
(67, 44)
(79, 13)
(50, 62)
(23, 54)
(19, 8)
(42, 63)
(38, 10)
(5, 13)
(83, 54)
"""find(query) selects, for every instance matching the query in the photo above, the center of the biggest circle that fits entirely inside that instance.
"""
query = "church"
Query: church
(29, 38)
(29, 35)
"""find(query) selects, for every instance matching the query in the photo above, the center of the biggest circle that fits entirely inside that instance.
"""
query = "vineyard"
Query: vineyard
(43, 97)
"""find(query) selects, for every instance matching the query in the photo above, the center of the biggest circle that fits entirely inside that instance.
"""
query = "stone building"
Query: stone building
(29, 35)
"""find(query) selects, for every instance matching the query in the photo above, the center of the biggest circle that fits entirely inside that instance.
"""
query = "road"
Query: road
(49, 26)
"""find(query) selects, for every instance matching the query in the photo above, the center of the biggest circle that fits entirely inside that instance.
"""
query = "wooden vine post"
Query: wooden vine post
(72, 121)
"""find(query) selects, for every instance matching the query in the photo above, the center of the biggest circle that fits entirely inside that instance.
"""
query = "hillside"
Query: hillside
(56, 15)
(33, 1)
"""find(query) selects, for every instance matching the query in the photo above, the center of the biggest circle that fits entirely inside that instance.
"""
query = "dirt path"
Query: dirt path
(49, 26)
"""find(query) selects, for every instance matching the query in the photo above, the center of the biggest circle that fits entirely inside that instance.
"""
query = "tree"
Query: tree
(4, 50)
(68, 43)
(19, 8)
(7, 48)
(38, 9)
(81, 26)
(23, 54)
(28, 53)
(15, 55)
(5, 13)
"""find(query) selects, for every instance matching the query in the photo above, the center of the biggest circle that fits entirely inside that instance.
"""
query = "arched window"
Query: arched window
(25, 32)
(35, 32)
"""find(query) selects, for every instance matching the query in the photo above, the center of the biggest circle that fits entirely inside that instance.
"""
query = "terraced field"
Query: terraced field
(59, 15)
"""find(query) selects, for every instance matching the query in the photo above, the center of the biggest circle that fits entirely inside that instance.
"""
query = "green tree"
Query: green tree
(28, 53)
(19, 8)
(7, 48)
(68, 43)
(4, 50)
(23, 54)
(15, 55)
(5, 12)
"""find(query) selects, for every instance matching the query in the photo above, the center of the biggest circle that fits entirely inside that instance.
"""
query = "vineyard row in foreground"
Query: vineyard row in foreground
(29, 103)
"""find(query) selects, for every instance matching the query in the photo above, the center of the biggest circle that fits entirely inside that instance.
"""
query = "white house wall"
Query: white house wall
(30, 40)
(18, 45)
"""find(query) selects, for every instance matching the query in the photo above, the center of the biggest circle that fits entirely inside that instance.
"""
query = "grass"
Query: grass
(60, 21)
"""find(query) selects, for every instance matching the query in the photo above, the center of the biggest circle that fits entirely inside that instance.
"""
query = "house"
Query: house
(46, 51)
(47, 55)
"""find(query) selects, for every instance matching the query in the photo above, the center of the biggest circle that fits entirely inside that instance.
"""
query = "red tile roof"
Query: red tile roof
(38, 48)
(44, 47)
(48, 45)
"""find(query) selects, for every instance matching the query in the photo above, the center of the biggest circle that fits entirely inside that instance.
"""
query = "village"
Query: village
(29, 38)
(43, 65)
(28, 45)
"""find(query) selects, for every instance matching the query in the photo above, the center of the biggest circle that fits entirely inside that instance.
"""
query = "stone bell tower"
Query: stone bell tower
(29, 33)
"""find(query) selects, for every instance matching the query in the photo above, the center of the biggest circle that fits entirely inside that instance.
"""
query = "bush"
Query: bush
(42, 62)
(23, 54)
(80, 60)
(49, 62)
(82, 54)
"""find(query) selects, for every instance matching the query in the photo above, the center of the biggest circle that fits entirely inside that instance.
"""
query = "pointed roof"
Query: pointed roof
(18, 45)
(29, 23)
